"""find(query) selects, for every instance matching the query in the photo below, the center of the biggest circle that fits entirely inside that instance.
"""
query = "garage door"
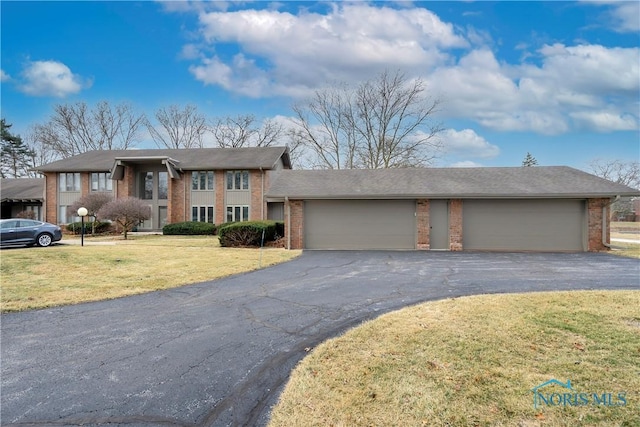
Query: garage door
(359, 224)
(535, 225)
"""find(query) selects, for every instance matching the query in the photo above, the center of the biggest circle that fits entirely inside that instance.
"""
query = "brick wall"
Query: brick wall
(594, 224)
(455, 225)
(422, 223)
(257, 208)
(176, 205)
(221, 213)
(296, 222)
(51, 197)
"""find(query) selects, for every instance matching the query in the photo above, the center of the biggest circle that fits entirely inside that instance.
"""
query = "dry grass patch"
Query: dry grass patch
(65, 274)
(473, 362)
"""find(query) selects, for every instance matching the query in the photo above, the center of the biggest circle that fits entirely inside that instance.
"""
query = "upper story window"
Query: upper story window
(202, 180)
(100, 181)
(69, 182)
(237, 180)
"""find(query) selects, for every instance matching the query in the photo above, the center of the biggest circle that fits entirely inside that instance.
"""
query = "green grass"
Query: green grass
(35, 278)
(473, 362)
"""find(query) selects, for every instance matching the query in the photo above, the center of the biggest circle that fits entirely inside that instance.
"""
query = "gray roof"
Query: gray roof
(189, 159)
(514, 182)
(22, 189)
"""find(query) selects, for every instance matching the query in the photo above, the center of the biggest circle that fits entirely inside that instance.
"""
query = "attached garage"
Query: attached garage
(542, 208)
(360, 224)
(524, 225)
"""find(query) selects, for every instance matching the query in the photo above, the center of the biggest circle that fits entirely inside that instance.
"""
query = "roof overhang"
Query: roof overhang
(172, 165)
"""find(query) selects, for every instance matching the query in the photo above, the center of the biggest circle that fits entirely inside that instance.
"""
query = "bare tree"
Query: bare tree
(243, 131)
(126, 212)
(75, 128)
(622, 172)
(385, 122)
(178, 127)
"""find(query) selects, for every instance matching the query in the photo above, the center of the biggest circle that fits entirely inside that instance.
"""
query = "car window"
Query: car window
(28, 223)
(9, 224)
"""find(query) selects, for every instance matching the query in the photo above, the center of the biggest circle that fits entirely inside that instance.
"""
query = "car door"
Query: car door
(8, 231)
(26, 231)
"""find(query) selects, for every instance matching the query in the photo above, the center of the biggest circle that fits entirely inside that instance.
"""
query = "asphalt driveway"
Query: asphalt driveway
(218, 353)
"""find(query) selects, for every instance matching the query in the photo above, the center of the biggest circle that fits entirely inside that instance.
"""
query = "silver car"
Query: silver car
(28, 232)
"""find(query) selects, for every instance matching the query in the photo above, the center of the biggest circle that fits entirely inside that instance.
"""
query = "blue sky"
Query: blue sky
(558, 79)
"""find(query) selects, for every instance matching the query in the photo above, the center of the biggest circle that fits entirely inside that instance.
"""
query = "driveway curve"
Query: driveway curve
(218, 353)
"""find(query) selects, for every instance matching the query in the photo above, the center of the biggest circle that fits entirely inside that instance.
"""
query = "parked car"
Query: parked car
(28, 232)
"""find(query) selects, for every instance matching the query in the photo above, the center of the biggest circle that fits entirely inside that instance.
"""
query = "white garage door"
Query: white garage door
(359, 224)
(528, 225)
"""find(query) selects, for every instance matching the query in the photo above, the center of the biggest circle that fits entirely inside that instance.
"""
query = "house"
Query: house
(500, 209)
(209, 184)
(21, 194)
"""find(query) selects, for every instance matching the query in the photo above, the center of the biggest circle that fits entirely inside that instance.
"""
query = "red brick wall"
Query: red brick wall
(455, 225)
(51, 197)
(296, 224)
(422, 222)
(176, 202)
(221, 216)
(594, 224)
(256, 209)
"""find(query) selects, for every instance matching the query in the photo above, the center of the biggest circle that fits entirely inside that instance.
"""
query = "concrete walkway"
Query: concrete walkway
(218, 353)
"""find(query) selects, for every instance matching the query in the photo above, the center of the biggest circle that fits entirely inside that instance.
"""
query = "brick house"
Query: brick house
(209, 184)
(501, 209)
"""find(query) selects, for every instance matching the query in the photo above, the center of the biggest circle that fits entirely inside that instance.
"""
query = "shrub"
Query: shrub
(247, 233)
(89, 226)
(189, 228)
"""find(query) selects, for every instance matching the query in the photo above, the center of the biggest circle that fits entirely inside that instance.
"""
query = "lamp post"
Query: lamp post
(82, 212)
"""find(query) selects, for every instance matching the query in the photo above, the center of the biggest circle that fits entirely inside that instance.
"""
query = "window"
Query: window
(146, 185)
(202, 180)
(69, 182)
(237, 213)
(100, 181)
(237, 180)
(202, 213)
(163, 185)
(63, 218)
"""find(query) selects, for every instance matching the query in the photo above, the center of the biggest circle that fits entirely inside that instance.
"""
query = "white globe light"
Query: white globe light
(83, 211)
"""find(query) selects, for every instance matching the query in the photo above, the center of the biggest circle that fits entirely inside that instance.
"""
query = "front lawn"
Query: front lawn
(68, 274)
(474, 361)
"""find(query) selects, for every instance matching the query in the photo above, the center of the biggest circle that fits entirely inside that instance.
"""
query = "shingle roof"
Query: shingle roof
(22, 189)
(524, 182)
(189, 159)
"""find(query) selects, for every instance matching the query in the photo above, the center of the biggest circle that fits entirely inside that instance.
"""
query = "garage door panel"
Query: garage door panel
(536, 225)
(359, 224)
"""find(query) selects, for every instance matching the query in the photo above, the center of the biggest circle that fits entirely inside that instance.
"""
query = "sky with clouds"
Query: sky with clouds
(560, 80)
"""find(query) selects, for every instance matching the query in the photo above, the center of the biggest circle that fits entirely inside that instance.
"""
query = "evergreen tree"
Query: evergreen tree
(529, 160)
(16, 156)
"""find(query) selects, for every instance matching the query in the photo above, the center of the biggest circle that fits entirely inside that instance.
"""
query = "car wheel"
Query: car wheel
(45, 240)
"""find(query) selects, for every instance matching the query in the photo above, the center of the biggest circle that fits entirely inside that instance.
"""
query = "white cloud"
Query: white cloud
(467, 143)
(465, 164)
(51, 78)
(351, 41)
(572, 86)
(4, 77)
(622, 16)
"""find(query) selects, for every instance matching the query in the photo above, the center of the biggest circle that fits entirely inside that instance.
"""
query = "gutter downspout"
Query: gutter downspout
(262, 195)
(288, 230)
